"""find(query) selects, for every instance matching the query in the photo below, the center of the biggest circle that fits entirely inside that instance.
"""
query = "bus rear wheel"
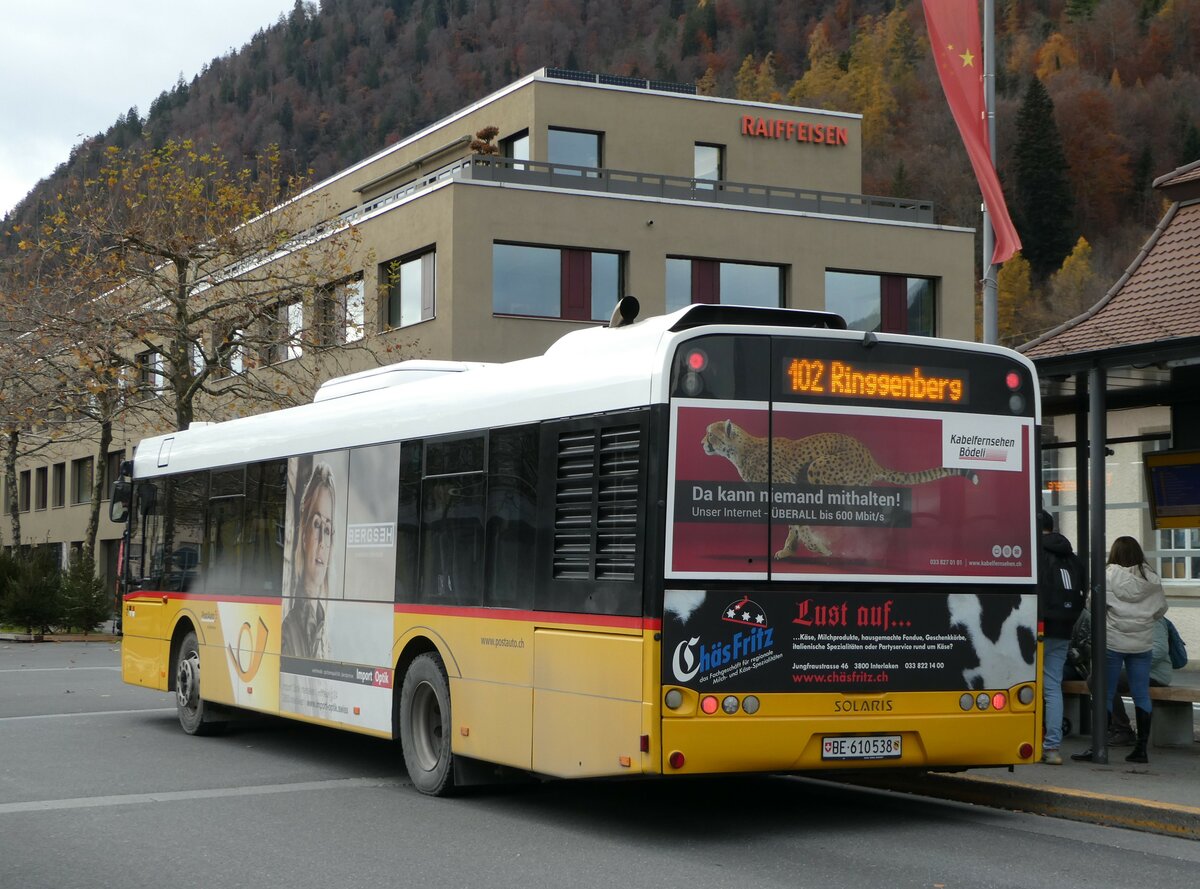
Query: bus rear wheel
(194, 715)
(425, 726)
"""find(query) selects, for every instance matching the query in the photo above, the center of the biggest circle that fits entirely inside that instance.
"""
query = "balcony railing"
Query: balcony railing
(569, 177)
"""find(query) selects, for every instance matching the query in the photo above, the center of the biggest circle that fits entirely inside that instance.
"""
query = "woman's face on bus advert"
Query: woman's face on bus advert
(318, 537)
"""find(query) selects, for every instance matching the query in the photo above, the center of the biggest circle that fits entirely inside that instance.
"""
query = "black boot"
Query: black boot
(1143, 737)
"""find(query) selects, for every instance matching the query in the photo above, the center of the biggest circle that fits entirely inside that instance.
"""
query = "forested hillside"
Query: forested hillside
(1095, 99)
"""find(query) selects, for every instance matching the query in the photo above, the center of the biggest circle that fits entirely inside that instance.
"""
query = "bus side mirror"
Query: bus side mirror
(122, 497)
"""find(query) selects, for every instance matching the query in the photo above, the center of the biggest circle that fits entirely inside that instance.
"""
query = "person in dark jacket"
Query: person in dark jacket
(1056, 639)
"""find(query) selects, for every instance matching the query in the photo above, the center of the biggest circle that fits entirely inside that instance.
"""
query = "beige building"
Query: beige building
(603, 186)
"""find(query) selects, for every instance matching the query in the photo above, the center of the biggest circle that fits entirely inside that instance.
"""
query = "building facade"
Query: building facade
(599, 187)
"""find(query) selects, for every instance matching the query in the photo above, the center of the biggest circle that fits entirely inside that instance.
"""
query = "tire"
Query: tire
(194, 712)
(425, 726)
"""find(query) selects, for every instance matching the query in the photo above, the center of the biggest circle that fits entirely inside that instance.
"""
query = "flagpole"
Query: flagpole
(990, 333)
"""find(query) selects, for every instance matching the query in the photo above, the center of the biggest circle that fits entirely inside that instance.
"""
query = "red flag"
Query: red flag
(957, 50)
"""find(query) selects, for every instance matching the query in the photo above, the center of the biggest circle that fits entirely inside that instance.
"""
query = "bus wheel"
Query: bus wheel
(425, 725)
(192, 709)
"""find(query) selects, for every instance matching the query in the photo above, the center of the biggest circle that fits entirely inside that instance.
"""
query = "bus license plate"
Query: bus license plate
(861, 747)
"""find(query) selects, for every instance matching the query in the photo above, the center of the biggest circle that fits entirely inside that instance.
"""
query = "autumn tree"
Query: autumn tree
(1091, 142)
(1072, 287)
(1043, 202)
(755, 81)
(24, 408)
(184, 287)
(1013, 300)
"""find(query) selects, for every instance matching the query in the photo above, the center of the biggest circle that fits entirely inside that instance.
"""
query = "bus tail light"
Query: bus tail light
(676, 759)
(750, 705)
(709, 704)
(673, 699)
(999, 700)
(1025, 751)
(729, 704)
(1025, 694)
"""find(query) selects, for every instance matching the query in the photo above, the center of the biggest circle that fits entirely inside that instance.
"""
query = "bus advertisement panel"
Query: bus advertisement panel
(846, 641)
(843, 492)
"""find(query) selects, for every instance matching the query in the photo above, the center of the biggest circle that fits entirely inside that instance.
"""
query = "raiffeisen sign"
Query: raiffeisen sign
(794, 131)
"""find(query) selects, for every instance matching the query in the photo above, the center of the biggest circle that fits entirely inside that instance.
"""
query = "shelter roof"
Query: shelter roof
(1153, 310)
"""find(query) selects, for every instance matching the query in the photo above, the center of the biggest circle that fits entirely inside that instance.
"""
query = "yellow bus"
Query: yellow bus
(727, 539)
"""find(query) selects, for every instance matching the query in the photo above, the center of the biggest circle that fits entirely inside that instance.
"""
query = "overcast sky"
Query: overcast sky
(69, 68)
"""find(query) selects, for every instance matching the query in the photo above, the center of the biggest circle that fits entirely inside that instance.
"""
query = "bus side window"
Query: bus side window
(165, 554)
(223, 538)
(266, 506)
(511, 523)
(408, 521)
(452, 500)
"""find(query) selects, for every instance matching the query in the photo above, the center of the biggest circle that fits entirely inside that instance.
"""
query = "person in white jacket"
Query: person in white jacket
(1134, 601)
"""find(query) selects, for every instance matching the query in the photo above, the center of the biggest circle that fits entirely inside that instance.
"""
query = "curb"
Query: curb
(1168, 819)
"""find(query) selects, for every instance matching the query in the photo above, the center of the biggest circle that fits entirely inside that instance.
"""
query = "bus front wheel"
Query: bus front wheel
(192, 709)
(425, 725)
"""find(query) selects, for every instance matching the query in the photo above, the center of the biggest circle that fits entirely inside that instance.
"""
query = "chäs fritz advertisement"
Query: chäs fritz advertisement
(803, 492)
(835, 640)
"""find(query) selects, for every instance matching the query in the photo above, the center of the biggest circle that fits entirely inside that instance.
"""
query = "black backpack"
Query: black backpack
(1061, 581)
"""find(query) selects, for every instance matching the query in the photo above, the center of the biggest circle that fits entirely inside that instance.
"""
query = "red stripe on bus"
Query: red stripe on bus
(150, 596)
(558, 617)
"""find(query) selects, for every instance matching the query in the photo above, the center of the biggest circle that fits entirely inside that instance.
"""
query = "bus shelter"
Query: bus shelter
(1124, 376)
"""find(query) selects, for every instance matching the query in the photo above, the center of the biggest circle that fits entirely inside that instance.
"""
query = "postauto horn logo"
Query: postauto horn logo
(692, 658)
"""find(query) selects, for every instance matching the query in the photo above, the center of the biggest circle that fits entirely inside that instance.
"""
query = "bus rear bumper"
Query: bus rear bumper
(719, 745)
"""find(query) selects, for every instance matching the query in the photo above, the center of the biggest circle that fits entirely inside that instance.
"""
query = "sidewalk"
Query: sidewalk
(1162, 796)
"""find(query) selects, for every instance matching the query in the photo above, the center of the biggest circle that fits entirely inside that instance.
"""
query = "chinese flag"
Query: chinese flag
(958, 52)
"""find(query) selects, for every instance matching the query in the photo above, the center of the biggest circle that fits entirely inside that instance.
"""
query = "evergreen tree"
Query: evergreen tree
(1191, 145)
(1043, 203)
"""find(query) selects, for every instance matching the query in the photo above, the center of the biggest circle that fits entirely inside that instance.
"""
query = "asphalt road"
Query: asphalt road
(99, 788)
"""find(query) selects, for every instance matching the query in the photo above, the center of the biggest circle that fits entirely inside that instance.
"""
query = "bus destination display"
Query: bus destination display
(813, 376)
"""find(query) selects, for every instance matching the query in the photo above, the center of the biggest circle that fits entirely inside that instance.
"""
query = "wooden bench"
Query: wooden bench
(1172, 725)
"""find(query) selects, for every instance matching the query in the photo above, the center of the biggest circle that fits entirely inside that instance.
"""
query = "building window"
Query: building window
(81, 480)
(40, 483)
(548, 282)
(516, 146)
(23, 492)
(196, 356)
(285, 327)
(112, 471)
(728, 283)
(149, 366)
(58, 484)
(1179, 554)
(231, 352)
(890, 303)
(579, 148)
(408, 286)
(340, 312)
(708, 162)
